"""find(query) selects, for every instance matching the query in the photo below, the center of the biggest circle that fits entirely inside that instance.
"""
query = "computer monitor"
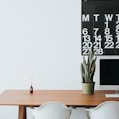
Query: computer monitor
(109, 73)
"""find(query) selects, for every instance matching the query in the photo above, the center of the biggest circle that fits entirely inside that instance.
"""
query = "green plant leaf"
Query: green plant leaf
(88, 67)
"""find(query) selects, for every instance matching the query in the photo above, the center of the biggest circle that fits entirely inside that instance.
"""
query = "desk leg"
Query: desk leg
(22, 112)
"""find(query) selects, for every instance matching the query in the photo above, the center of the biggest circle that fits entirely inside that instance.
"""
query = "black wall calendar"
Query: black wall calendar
(100, 27)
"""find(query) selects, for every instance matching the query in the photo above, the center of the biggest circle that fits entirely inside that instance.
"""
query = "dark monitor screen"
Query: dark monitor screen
(109, 71)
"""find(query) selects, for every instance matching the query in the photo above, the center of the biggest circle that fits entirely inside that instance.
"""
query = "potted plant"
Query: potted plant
(88, 70)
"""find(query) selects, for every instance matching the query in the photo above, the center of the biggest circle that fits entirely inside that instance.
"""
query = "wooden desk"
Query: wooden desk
(23, 99)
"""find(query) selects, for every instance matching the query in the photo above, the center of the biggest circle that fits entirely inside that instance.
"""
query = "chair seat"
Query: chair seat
(106, 110)
(52, 110)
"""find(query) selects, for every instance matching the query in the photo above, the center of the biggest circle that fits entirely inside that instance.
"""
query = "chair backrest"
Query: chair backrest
(105, 110)
(52, 110)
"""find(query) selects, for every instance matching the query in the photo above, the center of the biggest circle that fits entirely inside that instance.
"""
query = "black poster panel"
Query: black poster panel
(100, 27)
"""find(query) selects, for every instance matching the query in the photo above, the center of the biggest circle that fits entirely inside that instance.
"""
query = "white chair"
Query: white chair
(51, 110)
(105, 110)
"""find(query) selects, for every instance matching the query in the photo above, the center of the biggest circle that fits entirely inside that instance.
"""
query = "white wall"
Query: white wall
(39, 40)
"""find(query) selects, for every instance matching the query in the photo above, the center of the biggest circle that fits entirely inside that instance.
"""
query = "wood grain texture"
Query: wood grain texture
(68, 97)
(23, 99)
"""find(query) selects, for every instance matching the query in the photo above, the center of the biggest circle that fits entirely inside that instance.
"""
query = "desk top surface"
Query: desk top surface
(68, 97)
